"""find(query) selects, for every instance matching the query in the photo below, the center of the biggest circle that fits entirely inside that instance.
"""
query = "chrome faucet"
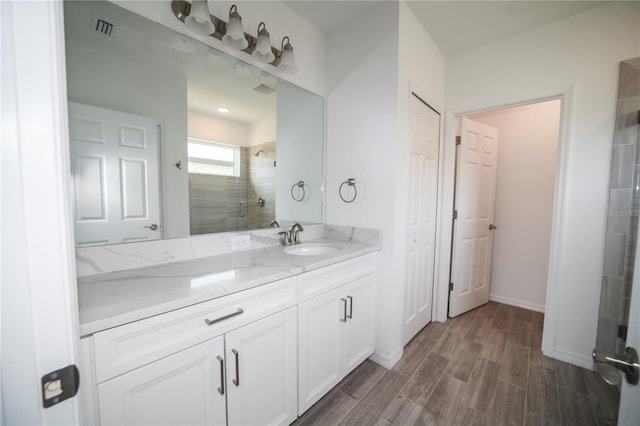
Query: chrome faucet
(294, 233)
(274, 224)
(286, 238)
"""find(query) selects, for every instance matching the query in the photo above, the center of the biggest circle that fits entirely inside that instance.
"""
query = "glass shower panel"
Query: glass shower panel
(622, 214)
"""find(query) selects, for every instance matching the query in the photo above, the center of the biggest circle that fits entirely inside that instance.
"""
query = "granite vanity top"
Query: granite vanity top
(111, 299)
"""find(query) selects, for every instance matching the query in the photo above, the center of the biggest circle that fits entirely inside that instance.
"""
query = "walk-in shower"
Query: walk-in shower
(622, 214)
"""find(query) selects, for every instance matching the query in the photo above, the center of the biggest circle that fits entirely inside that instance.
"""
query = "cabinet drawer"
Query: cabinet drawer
(130, 346)
(314, 283)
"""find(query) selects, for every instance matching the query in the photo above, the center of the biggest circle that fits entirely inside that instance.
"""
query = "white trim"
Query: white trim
(556, 249)
(39, 272)
(387, 361)
(573, 358)
(515, 302)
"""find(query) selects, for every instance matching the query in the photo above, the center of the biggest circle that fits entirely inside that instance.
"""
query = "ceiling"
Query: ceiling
(455, 26)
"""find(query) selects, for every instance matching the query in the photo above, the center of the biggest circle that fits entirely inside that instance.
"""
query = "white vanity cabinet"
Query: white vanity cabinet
(238, 368)
(335, 325)
(182, 389)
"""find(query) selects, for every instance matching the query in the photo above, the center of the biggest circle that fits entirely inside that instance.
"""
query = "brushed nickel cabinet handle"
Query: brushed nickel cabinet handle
(222, 318)
(344, 318)
(350, 307)
(236, 381)
(221, 388)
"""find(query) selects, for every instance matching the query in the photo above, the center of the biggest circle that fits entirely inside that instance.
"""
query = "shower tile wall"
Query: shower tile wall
(262, 183)
(623, 212)
(214, 200)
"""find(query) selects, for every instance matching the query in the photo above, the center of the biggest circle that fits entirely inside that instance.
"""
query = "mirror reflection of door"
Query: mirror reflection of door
(114, 169)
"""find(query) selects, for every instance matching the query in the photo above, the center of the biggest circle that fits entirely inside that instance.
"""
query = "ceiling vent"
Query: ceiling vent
(264, 89)
(101, 26)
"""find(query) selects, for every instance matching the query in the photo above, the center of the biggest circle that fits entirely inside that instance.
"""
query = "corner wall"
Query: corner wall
(369, 84)
(579, 57)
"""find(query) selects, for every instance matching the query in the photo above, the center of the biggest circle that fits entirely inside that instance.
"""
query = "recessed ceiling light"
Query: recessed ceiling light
(223, 109)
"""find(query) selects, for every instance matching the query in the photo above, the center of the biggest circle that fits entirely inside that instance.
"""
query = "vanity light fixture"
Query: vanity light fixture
(262, 52)
(287, 62)
(234, 38)
(258, 47)
(198, 21)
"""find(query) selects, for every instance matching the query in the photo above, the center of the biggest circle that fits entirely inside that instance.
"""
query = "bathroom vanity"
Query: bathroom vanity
(249, 337)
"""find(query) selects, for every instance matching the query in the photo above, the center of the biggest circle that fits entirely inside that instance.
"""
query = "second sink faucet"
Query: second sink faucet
(292, 235)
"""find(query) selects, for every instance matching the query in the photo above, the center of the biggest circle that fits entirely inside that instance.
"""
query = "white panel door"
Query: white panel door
(114, 166)
(262, 371)
(182, 389)
(475, 205)
(423, 194)
(321, 321)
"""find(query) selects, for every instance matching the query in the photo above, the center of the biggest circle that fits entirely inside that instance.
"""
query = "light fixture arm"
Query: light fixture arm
(182, 8)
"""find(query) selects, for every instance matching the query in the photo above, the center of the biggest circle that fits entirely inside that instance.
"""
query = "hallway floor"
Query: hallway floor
(481, 368)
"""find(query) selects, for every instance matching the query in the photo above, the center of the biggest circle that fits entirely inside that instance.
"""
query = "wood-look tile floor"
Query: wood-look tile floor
(481, 368)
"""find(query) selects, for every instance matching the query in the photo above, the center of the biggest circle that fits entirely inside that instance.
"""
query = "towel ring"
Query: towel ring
(297, 197)
(350, 182)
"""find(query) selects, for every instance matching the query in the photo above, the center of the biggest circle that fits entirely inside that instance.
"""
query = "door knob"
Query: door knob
(627, 363)
(492, 227)
(153, 227)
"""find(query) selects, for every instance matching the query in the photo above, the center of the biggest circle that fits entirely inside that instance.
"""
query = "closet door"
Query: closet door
(421, 226)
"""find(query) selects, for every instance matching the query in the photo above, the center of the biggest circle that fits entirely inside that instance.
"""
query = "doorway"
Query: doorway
(523, 212)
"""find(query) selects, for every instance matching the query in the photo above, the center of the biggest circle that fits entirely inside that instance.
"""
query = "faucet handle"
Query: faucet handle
(286, 238)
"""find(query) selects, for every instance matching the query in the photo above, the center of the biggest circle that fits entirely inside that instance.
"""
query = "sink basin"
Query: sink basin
(313, 249)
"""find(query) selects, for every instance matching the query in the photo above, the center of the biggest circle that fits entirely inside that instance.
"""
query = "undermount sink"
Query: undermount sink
(312, 249)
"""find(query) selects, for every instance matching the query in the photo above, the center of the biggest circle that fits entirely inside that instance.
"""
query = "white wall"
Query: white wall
(525, 187)
(362, 117)
(579, 56)
(262, 131)
(213, 128)
(367, 123)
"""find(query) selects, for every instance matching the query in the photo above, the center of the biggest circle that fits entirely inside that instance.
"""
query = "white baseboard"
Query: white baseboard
(387, 361)
(515, 302)
(573, 358)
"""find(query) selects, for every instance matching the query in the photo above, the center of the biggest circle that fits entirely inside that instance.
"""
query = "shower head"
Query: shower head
(259, 153)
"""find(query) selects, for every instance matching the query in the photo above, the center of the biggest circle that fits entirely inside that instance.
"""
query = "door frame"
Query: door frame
(39, 272)
(441, 253)
(556, 249)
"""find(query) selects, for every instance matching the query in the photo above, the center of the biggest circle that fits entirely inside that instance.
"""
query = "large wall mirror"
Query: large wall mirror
(170, 137)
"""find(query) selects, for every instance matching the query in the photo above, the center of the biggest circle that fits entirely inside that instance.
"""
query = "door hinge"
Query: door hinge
(450, 286)
(622, 332)
(458, 140)
(455, 214)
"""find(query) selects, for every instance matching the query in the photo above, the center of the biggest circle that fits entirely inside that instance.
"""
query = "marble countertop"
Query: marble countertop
(111, 299)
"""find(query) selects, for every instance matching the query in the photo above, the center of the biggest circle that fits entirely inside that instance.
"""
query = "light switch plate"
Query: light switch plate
(240, 242)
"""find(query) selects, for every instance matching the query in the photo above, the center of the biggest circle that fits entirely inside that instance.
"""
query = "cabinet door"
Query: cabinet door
(320, 333)
(359, 339)
(262, 369)
(181, 389)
